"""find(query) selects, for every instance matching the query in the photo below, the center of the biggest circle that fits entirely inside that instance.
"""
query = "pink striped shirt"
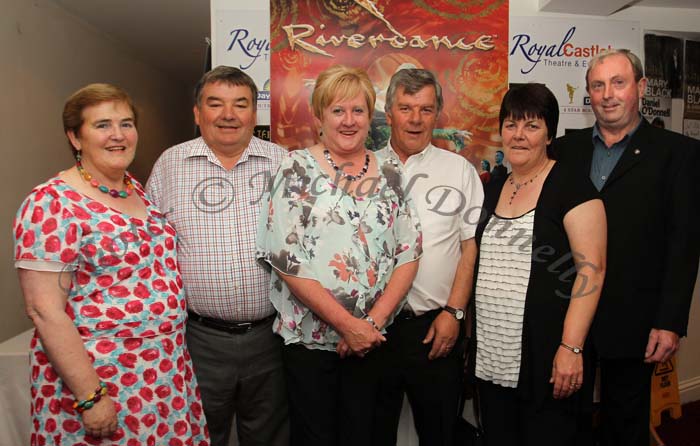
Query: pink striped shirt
(215, 213)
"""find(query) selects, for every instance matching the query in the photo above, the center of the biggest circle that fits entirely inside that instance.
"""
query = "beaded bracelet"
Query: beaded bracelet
(369, 319)
(87, 403)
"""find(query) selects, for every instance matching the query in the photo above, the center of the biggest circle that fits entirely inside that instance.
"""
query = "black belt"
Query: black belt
(408, 314)
(228, 327)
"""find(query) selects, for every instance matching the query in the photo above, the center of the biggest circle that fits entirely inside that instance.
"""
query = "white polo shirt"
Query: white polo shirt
(448, 195)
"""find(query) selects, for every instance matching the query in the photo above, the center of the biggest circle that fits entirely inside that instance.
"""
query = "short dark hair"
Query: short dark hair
(412, 80)
(88, 96)
(227, 75)
(531, 101)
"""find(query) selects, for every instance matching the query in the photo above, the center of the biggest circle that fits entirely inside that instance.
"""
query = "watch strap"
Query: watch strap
(571, 348)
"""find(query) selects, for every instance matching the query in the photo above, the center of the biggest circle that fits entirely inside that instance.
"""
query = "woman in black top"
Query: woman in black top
(540, 271)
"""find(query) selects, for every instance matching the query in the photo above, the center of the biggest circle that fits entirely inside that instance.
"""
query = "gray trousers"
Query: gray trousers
(241, 374)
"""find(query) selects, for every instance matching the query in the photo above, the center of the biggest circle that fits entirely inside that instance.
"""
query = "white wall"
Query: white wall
(46, 55)
(676, 21)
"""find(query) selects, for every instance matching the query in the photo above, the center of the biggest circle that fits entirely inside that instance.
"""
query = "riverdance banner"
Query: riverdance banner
(240, 32)
(464, 43)
(691, 121)
(556, 52)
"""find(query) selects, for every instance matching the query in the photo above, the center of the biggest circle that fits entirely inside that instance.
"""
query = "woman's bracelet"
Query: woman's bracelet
(576, 350)
(369, 319)
(87, 403)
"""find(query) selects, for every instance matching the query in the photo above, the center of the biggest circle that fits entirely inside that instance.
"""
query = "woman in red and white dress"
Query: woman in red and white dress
(98, 268)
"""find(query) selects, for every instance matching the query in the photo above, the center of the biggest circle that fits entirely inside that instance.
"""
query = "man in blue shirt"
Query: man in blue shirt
(645, 178)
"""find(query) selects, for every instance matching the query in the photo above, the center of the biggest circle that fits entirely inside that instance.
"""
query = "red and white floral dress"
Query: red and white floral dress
(128, 304)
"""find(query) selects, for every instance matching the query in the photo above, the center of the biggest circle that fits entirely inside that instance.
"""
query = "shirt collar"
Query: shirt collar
(420, 156)
(255, 148)
(623, 141)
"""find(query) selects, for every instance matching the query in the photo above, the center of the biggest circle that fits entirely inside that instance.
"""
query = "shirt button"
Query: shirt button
(603, 177)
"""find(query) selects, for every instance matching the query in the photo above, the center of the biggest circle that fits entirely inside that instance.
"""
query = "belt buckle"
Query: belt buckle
(241, 327)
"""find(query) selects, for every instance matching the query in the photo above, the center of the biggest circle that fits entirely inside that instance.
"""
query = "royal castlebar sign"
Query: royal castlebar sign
(556, 52)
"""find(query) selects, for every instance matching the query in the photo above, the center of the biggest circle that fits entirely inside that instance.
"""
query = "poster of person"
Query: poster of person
(691, 121)
(464, 43)
(555, 51)
(663, 66)
(657, 110)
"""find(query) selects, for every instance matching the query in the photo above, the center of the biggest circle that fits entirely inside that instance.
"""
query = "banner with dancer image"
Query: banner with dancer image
(463, 43)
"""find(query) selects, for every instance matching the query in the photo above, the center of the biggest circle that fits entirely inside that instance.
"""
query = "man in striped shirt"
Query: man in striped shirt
(209, 189)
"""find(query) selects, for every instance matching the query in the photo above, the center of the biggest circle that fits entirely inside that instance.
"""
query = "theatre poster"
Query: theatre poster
(464, 43)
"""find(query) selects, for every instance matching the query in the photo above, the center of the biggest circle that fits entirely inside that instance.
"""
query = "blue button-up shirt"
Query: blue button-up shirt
(605, 158)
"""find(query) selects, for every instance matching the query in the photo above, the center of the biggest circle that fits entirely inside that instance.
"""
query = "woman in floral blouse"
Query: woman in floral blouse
(343, 242)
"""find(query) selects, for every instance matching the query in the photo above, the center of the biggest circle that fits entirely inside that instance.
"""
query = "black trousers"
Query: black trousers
(433, 388)
(331, 400)
(625, 397)
(509, 420)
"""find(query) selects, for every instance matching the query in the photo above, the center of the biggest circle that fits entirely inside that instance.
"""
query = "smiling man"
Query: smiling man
(646, 179)
(424, 349)
(208, 188)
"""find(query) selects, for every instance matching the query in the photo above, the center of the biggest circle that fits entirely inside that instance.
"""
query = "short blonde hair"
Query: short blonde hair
(338, 83)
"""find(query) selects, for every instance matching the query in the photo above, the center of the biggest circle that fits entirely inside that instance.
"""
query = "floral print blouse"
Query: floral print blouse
(350, 244)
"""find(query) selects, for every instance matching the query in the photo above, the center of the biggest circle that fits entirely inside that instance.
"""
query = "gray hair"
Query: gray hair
(637, 67)
(227, 75)
(412, 80)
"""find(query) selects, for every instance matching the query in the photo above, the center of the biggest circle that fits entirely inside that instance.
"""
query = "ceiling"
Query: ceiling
(171, 34)
(607, 7)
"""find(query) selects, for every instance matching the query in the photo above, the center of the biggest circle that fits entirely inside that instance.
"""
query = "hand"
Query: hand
(567, 373)
(661, 346)
(100, 421)
(359, 339)
(443, 334)
(342, 349)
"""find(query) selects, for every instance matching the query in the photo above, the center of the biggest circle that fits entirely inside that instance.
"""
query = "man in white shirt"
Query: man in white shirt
(424, 350)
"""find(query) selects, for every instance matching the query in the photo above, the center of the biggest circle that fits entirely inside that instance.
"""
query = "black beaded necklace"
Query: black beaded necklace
(347, 176)
(519, 186)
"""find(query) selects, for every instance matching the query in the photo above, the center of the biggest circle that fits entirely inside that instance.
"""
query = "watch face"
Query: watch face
(459, 314)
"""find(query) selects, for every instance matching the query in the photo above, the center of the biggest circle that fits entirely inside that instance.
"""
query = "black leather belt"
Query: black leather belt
(228, 327)
(408, 314)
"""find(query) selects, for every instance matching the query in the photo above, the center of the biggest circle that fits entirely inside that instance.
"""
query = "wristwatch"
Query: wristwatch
(458, 313)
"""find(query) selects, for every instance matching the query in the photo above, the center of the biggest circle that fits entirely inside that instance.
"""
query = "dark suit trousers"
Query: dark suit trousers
(241, 374)
(625, 399)
(433, 387)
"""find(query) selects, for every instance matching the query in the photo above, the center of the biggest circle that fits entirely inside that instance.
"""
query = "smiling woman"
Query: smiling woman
(530, 357)
(98, 270)
(343, 242)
